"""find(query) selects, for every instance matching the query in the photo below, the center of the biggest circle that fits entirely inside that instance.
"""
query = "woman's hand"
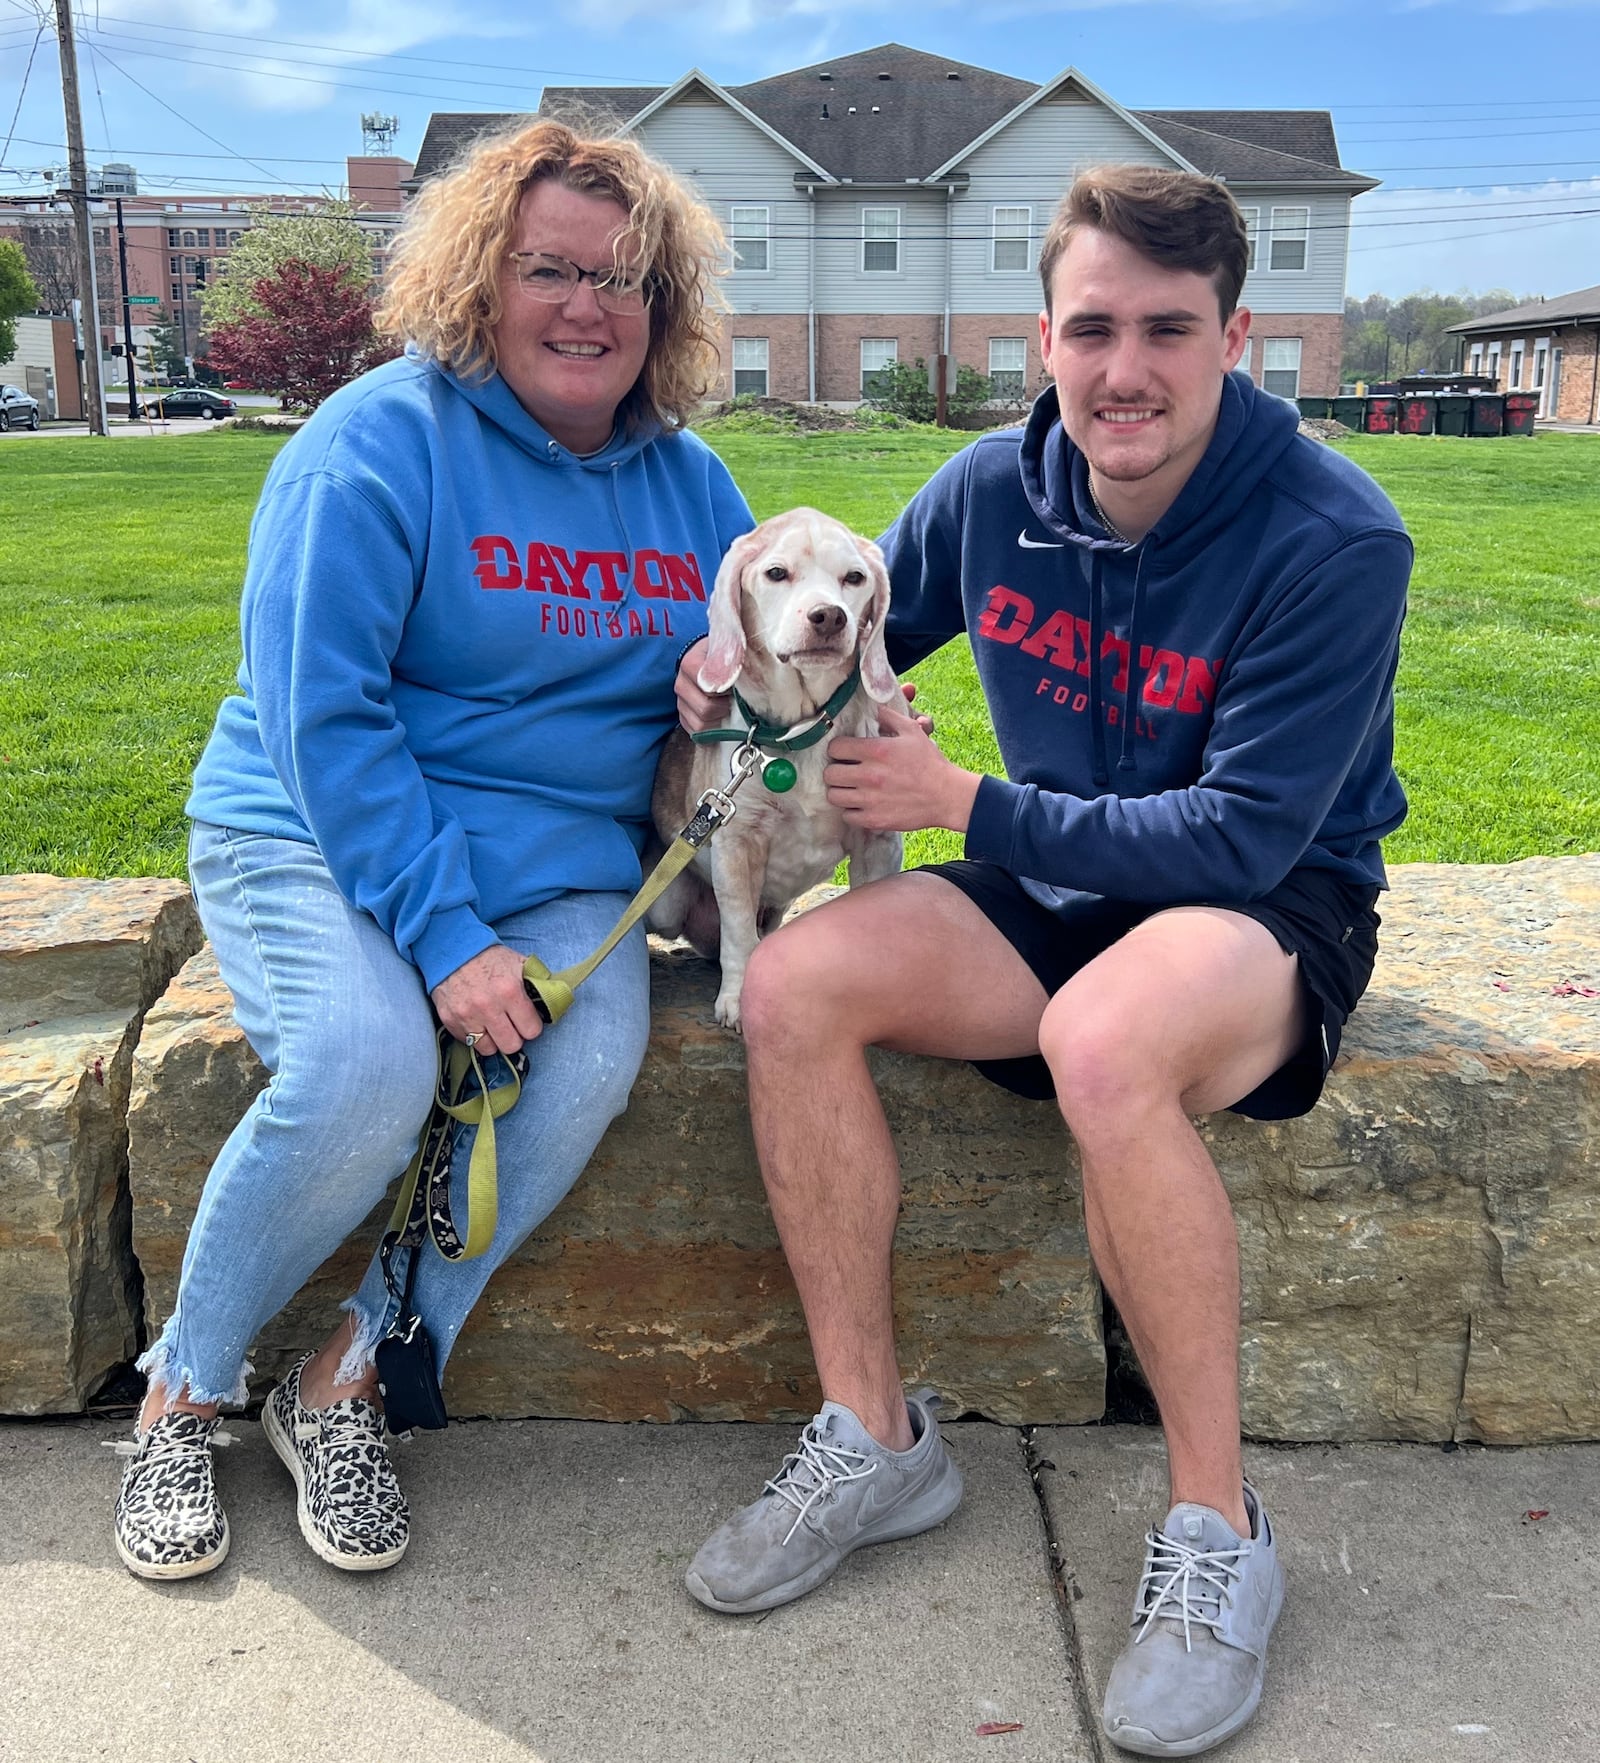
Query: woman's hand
(698, 709)
(486, 997)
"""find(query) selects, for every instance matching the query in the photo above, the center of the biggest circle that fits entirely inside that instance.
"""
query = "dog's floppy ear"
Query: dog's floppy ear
(725, 657)
(876, 673)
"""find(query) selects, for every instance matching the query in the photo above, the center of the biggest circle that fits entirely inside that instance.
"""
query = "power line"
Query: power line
(26, 72)
(181, 117)
(1461, 238)
(429, 60)
(164, 52)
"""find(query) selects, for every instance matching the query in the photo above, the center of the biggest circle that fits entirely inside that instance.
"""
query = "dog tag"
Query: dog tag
(778, 775)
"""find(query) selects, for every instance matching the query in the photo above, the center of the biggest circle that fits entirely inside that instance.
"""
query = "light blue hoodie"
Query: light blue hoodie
(459, 648)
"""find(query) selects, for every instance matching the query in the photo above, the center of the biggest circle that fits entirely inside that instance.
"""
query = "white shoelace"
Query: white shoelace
(813, 1472)
(167, 1444)
(1184, 1584)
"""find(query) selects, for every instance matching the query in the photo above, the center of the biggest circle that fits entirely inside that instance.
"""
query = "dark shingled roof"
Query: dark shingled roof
(924, 117)
(448, 135)
(1582, 307)
(1238, 161)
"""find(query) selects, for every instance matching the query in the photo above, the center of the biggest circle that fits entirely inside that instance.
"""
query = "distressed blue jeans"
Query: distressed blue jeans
(342, 1023)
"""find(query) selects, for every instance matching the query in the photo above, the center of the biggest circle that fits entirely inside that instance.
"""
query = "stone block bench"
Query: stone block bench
(1420, 1255)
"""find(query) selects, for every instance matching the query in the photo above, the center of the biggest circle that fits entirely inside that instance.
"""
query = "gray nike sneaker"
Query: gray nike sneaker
(840, 1491)
(1192, 1673)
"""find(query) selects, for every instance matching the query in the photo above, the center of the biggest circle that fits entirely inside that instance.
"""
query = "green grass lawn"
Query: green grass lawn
(122, 562)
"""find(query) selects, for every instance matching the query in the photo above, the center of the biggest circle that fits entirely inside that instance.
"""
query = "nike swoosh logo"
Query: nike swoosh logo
(1028, 544)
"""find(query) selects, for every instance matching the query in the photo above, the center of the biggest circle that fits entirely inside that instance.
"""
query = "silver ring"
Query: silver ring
(473, 1039)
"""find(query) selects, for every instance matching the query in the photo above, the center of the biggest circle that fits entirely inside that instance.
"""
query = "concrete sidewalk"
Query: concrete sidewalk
(540, 1616)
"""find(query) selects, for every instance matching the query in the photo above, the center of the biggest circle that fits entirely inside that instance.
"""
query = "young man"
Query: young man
(1185, 618)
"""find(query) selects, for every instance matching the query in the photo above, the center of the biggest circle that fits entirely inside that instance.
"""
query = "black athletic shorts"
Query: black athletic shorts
(1329, 923)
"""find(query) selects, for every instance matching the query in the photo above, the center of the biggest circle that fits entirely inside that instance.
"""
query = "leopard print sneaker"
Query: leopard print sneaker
(169, 1522)
(352, 1512)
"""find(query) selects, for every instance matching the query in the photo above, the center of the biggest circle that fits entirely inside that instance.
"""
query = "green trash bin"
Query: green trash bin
(1314, 408)
(1352, 412)
(1383, 415)
(1418, 413)
(1521, 409)
(1454, 414)
(1488, 414)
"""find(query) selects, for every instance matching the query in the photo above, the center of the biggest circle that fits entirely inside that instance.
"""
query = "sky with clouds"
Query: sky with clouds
(1482, 119)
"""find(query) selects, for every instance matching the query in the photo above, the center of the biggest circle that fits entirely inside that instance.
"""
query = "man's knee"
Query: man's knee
(1106, 1071)
(813, 981)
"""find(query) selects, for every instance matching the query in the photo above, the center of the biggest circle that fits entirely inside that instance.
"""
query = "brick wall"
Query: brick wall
(785, 332)
(839, 337)
(1321, 337)
(969, 342)
(1579, 395)
(1580, 362)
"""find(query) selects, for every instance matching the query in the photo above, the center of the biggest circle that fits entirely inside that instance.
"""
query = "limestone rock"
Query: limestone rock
(79, 961)
(658, 1288)
(71, 947)
(1421, 1254)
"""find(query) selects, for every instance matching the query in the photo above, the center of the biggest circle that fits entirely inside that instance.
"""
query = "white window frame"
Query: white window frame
(877, 211)
(1287, 233)
(1016, 347)
(1491, 365)
(1541, 363)
(1518, 356)
(744, 229)
(892, 344)
(1270, 368)
(1014, 233)
(1252, 231)
(758, 359)
(1475, 360)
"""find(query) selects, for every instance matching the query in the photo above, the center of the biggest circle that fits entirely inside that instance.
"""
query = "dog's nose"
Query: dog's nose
(827, 621)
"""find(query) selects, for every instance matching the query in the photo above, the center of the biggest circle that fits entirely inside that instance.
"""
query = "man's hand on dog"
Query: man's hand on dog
(898, 781)
(699, 709)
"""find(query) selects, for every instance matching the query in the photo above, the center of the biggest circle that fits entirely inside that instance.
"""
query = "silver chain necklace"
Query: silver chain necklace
(1105, 519)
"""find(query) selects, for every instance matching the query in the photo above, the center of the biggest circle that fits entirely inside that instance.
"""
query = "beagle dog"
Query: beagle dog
(796, 632)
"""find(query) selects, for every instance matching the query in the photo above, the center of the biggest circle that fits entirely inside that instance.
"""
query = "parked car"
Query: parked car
(17, 409)
(195, 401)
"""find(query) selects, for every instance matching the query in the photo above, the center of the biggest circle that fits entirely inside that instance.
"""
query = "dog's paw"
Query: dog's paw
(726, 1009)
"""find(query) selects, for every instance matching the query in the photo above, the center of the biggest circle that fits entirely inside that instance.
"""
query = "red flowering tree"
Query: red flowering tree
(307, 331)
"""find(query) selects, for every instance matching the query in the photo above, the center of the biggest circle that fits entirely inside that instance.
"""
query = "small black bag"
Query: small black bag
(408, 1371)
(407, 1365)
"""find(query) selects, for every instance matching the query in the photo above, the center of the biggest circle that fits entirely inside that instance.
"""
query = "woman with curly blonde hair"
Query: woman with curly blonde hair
(470, 579)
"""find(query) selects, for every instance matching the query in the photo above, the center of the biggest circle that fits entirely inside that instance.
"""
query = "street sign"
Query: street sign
(144, 299)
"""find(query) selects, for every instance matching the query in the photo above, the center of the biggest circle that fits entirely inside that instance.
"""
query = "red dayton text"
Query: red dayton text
(1186, 683)
(551, 569)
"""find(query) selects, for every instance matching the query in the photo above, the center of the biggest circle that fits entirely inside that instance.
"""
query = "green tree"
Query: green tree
(328, 237)
(1385, 338)
(18, 294)
(166, 350)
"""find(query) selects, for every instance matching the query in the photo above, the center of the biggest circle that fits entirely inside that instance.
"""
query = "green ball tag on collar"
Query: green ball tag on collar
(778, 775)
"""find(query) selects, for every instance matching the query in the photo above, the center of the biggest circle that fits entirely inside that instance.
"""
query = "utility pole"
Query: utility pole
(82, 227)
(127, 317)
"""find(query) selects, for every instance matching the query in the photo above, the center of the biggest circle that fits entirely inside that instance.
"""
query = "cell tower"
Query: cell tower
(378, 133)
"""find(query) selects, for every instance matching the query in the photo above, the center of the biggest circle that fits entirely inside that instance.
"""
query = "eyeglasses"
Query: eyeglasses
(554, 280)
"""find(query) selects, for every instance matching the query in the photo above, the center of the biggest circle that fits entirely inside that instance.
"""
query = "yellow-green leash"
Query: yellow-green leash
(476, 1104)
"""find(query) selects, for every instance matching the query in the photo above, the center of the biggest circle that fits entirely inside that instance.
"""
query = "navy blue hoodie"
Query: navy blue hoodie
(1188, 718)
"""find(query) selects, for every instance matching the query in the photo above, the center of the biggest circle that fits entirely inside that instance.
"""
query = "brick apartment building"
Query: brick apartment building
(891, 203)
(174, 242)
(1551, 347)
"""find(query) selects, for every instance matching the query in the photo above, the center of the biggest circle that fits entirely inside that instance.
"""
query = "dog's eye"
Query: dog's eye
(776, 573)
(854, 577)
